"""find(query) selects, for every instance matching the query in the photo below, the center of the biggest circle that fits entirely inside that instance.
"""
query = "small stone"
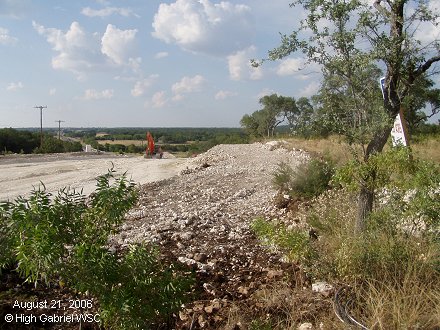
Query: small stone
(202, 321)
(306, 326)
(209, 309)
(183, 316)
(323, 288)
(186, 236)
(243, 290)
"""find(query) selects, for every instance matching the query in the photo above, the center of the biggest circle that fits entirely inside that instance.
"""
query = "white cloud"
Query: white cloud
(221, 95)
(264, 92)
(5, 38)
(310, 90)
(118, 45)
(187, 85)
(290, 66)
(203, 27)
(161, 55)
(92, 94)
(52, 91)
(81, 52)
(107, 11)
(240, 67)
(159, 99)
(143, 85)
(78, 51)
(14, 86)
(298, 68)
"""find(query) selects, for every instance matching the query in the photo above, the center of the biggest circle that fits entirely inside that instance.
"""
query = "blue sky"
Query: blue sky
(143, 63)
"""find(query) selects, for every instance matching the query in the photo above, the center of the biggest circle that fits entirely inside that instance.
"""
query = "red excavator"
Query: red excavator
(150, 151)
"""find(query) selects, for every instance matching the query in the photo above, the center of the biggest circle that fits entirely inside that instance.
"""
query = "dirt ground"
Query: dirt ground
(20, 173)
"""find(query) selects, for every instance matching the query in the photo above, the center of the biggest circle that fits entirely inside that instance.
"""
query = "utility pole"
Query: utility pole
(59, 128)
(41, 107)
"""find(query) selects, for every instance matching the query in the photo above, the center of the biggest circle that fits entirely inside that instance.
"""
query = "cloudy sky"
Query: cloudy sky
(144, 63)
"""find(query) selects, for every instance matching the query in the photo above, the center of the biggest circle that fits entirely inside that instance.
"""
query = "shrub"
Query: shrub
(307, 180)
(134, 288)
(393, 266)
(294, 243)
(65, 237)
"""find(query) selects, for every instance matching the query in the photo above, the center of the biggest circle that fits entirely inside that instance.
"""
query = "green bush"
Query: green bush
(307, 180)
(134, 288)
(294, 243)
(65, 238)
(402, 230)
(410, 186)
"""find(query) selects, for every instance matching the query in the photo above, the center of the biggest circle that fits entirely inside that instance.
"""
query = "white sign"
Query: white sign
(398, 133)
(382, 86)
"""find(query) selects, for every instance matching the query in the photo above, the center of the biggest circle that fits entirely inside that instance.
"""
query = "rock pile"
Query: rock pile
(201, 218)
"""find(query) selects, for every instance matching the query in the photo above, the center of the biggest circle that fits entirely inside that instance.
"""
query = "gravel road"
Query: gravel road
(201, 218)
(20, 173)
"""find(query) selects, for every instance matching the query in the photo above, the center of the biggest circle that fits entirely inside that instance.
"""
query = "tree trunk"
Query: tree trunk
(365, 206)
(366, 195)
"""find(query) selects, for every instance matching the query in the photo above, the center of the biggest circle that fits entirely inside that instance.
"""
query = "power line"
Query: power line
(41, 107)
(59, 128)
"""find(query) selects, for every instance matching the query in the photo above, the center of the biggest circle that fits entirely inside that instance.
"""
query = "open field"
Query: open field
(20, 173)
(123, 142)
(340, 151)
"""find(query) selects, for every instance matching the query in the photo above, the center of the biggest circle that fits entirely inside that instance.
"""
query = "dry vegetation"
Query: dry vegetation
(338, 150)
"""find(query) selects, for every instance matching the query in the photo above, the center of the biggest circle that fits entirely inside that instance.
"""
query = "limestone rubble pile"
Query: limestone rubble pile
(201, 218)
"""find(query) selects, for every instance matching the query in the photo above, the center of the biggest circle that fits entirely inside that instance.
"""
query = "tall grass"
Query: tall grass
(393, 266)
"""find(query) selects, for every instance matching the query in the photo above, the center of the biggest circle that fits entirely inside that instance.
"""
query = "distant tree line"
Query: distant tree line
(25, 142)
(162, 135)
(211, 139)
(190, 140)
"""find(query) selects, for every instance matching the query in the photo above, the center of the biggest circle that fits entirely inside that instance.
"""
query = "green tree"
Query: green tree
(351, 37)
(250, 124)
(12, 140)
(305, 123)
(276, 110)
(422, 104)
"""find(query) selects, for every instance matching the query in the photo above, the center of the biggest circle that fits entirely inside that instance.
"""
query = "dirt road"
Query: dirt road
(20, 173)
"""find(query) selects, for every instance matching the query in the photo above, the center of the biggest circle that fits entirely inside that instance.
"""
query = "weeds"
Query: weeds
(295, 244)
(307, 181)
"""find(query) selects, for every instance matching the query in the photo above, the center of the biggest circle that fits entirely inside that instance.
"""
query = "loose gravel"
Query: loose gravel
(201, 218)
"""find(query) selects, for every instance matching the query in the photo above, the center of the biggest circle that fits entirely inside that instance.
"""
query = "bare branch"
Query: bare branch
(425, 67)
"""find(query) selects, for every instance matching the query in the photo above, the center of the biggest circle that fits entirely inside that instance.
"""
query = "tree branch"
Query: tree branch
(381, 9)
(423, 68)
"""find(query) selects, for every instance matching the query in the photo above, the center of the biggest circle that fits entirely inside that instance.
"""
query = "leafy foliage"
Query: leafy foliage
(15, 141)
(276, 109)
(64, 237)
(351, 41)
(402, 231)
(295, 244)
(307, 180)
(134, 288)
(411, 186)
